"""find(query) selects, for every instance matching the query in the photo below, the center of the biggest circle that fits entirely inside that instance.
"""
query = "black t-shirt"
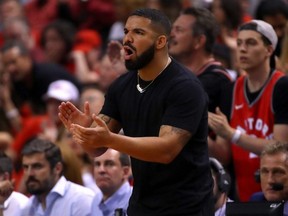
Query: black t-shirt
(279, 102)
(175, 98)
(214, 78)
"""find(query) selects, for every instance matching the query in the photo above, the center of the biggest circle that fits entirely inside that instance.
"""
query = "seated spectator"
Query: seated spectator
(112, 171)
(11, 202)
(18, 29)
(94, 96)
(273, 174)
(222, 183)
(51, 193)
(27, 81)
(10, 10)
(276, 14)
(47, 126)
(57, 40)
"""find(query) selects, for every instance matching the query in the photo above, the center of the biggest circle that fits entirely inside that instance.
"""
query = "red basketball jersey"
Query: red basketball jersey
(255, 119)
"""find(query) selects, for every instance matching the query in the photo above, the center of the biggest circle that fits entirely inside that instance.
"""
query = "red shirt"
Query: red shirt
(255, 119)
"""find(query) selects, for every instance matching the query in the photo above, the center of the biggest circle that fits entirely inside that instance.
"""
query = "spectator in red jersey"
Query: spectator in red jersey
(255, 105)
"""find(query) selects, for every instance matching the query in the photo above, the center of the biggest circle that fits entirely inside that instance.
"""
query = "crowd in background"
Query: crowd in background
(58, 50)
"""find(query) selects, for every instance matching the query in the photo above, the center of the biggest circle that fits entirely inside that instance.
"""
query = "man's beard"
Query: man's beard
(142, 60)
(42, 187)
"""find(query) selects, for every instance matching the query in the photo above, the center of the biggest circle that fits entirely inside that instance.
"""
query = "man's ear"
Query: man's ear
(59, 167)
(127, 171)
(270, 50)
(161, 41)
(201, 40)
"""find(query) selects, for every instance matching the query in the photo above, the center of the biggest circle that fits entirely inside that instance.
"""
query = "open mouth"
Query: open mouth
(128, 52)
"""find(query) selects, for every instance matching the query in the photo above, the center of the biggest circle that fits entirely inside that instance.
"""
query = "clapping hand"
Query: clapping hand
(70, 114)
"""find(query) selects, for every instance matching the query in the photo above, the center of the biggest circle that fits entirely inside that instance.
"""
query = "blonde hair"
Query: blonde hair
(277, 147)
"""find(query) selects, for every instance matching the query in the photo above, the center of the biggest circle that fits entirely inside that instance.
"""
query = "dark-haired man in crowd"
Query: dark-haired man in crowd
(51, 192)
(254, 109)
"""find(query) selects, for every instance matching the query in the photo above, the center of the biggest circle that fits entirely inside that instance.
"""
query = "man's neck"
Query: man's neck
(196, 61)
(154, 68)
(109, 193)
(258, 77)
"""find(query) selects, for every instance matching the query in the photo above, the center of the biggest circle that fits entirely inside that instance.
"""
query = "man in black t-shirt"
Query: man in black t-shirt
(192, 39)
(24, 82)
(162, 109)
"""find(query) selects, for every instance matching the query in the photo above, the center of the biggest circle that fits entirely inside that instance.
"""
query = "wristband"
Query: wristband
(236, 136)
(12, 113)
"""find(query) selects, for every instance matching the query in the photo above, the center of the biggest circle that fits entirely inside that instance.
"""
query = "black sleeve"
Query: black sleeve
(213, 84)
(280, 101)
(226, 99)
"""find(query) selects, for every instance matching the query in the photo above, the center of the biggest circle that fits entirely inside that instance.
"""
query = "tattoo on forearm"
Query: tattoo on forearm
(178, 130)
(183, 135)
(105, 118)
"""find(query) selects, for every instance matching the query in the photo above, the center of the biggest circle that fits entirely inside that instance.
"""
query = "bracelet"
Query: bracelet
(12, 113)
(236, 136)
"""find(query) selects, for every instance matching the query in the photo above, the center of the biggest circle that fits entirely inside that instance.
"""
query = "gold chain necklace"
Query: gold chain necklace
(142, 90)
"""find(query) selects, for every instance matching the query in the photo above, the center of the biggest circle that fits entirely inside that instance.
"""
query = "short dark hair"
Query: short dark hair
(6, 164)
(253, 26)
(266, 41)
(205, 24)
(157, 17)
(51, 151)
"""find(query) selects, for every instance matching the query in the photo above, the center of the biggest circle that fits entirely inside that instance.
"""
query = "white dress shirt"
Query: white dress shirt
(65, 199)
(15, 204)
(120, 199)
